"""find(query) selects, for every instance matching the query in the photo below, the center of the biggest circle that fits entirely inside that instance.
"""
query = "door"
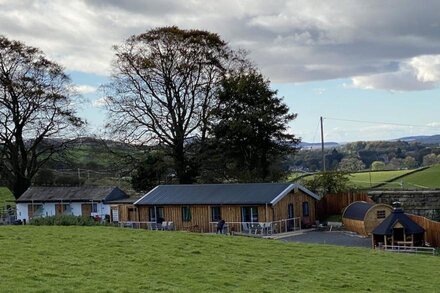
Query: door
(58, 209)
(86, 209)
(290, 216)
(132, 214)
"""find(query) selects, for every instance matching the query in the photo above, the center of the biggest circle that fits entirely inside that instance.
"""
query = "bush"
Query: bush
(64, 220)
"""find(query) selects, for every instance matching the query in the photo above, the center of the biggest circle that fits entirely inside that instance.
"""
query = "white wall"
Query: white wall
(22, 211)
(49, 209)
(75, 208)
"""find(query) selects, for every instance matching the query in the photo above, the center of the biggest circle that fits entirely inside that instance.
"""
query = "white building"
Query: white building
(77, 201)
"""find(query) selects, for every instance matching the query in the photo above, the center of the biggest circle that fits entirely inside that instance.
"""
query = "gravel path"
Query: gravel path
(335, 238)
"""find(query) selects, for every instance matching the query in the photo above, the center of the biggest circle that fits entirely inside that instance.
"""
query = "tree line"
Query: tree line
(368, 155)
(195, 109)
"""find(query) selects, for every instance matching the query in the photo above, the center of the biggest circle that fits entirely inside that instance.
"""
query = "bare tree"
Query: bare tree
(35, 112)
(164, 87)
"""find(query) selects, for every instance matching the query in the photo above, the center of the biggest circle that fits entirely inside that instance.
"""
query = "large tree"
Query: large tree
(251, 128)
(163, 89)
(36, 112)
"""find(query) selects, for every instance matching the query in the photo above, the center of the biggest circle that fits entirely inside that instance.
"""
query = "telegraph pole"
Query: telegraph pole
(322, 143)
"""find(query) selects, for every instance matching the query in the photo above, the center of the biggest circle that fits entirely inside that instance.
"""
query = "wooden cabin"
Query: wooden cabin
(124, 209)
(198, 207)
(362, 217)
(398, 230)
(77, 201)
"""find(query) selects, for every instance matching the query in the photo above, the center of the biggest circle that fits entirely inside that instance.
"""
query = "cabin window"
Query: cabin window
(306, 211)
(249, 214)
(186, 214)
(380, 214)
(94, 208)
(290, 211)
(152, 211)
(215, 214)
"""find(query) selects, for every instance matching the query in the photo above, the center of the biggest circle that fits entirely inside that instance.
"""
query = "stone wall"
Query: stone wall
(425, 203)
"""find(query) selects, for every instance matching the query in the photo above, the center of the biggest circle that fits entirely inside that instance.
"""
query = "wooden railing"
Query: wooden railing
(259, 228)
(408, 249)
(166, 225)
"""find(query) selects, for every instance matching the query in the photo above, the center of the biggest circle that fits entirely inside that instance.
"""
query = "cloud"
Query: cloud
(100, 103)
(85, 89)
(378, 44)
(418, 73)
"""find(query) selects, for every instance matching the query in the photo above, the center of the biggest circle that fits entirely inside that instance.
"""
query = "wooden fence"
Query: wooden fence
(333, 204)
(432, 229)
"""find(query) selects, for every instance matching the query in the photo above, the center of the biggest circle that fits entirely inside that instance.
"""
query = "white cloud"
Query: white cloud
(85, 89)
(101, 102)
(418, 73)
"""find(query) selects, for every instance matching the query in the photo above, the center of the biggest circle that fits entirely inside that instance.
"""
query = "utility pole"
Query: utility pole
(322, 143)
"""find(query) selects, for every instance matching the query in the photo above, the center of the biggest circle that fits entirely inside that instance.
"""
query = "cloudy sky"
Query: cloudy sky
(353, 62)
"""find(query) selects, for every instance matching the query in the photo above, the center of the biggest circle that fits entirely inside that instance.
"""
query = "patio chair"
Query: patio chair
(255, 228)
(245, 227)
(164, 225)
(266, 228)
(171, 226)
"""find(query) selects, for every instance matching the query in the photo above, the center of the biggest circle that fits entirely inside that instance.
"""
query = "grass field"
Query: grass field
(363, 179)
(5, 195)
(425, 179)
(105, 259)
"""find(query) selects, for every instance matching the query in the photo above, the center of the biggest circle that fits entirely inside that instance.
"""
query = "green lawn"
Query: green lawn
(363, 180)
(105, 259)
(425, 179)
(359, 180)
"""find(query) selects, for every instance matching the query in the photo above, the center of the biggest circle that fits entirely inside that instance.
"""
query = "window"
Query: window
(290, 211)
(186, 214)
(35, 210)
(305, 209)
(249, 214)
(94, 208)
(152, 211)
(215, 214)
(66, 208)
(380, 214)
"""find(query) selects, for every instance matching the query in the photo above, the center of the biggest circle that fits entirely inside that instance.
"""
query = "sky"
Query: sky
(370, 68)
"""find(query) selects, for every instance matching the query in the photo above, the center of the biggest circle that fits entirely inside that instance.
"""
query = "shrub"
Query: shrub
(64, 220)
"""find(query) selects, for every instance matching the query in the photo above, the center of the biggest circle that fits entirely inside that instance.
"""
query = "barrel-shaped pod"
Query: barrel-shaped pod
(376, 215)
(362, 217)
(353, 216)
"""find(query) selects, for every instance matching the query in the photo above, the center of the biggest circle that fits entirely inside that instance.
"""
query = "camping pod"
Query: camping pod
(362, 217)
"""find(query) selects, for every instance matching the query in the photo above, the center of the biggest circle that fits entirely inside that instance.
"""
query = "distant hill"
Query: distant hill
(425, 139)
(317, 145)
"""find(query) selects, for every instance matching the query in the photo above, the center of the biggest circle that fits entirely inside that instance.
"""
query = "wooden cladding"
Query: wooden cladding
(291, 206)
(432, 229)
(295, 202)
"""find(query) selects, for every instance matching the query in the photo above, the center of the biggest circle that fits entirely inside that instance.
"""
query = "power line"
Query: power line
(386, 123)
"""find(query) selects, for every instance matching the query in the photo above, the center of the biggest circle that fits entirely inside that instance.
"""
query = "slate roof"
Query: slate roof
(249, 193)
(357, 210)
(69, 194)
(386, 227)
(130, 200)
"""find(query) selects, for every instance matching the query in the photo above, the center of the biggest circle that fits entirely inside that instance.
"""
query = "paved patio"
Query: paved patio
(341, 238)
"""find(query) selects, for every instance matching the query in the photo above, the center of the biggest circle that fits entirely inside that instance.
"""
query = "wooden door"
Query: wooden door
(58, 209)
(86, 209)
(132, 214)
(30, 211)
